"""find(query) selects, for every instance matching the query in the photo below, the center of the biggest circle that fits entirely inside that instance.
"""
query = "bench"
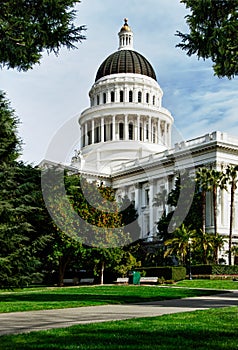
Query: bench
(122, 280)
(73, 281)
(86, 281)
(149, 280)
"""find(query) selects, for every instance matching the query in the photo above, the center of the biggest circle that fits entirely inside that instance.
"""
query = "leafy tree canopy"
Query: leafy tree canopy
(28, 27)
(213, 26)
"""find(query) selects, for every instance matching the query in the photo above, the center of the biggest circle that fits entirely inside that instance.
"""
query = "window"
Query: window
(147, 98)
(139, 96)
(112, 96)
(89, 137)
(121, 96)
(111, 131)
(147, 196)
(130, 96)
(130, 131)
(147, 131)
(121, 131)
(140, 132)
(97, 134)
(104, 98)
(98, 99)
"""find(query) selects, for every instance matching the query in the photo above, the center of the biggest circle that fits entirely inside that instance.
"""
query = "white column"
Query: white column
(158, 132)
(93, 129)
(126, 128)
(102, 129)
(86, 133)
(151, 210)
(144, 136)
(150, 131)
(138, 127)
(113, 127)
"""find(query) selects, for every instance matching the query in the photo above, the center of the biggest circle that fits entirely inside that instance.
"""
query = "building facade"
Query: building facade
(126, 140)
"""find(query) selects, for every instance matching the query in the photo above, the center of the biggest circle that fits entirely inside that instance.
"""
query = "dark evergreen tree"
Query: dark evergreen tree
(27, 28)
(213, 26)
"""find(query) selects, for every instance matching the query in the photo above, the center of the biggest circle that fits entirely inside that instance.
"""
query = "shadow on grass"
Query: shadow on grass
(157, 294)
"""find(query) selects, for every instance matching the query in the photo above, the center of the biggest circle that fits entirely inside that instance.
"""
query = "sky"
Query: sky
(49, 99)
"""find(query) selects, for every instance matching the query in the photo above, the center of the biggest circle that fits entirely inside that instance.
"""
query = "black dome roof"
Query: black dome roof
(125, 61)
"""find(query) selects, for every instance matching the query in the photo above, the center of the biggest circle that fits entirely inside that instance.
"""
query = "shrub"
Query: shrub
(167, 273)
(214, 269)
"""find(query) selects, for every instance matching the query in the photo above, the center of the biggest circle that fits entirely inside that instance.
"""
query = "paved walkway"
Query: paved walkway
(21, 322)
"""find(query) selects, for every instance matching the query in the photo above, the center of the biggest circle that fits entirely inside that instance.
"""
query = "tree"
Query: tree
(232, 178)
(203, 245)
(180, 243)
(160, 199)
(215, 180)
(20, 243)
(129, 216)
(202, 181)
(28, 28)
(213, 26)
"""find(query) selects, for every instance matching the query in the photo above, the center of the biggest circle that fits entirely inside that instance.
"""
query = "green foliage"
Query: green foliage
(129, 217)
(215, 269)
(175, 273)
(213, 27)
(30, 27)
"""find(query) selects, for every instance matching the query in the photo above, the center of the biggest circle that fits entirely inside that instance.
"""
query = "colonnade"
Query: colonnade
(126, 127)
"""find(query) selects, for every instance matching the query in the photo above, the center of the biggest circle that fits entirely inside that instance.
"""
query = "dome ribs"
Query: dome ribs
(125, 61)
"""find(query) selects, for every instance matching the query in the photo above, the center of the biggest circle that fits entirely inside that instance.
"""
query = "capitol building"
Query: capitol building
(126, 140)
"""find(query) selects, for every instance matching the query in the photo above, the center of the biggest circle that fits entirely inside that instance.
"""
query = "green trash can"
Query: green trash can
(136, 277)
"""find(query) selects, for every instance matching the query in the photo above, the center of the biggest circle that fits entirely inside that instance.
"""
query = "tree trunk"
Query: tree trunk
(215, 209)
(231, 220)
(102, 272)
(203, 211)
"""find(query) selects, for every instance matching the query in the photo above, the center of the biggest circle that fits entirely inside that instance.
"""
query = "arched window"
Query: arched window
(147, 131)
(121, 131)
(121, 96)
(130, 96)
(147, 97)
(112, 96)
(104, 98)
(98, 99)
(139, 96)
(130, 131)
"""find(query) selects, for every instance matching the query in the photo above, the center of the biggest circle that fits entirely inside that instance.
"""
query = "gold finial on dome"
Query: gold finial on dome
(126, 26)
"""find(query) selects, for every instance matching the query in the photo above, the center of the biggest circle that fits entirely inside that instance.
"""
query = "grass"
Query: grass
(55, 298)
(214, 284)
(214, 329)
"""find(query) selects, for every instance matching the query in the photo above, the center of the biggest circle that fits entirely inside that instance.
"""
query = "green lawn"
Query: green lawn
(214, 329)
(54, 298)
(215, 284)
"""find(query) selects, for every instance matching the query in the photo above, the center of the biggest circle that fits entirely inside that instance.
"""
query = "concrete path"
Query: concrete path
(22, 322)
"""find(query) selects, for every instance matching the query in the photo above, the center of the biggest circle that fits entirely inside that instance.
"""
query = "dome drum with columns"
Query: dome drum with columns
(126, 118)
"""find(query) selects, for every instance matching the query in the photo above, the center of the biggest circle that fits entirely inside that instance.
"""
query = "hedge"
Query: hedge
(214, 270)
(168, 272)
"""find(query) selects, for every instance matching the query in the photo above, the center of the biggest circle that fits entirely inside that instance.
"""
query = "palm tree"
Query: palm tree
(202, 179)
(232, 179)
(161, 199)
(204, 243)
(218, 242)
(215, 180)
(180, 243)
(210, 180)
